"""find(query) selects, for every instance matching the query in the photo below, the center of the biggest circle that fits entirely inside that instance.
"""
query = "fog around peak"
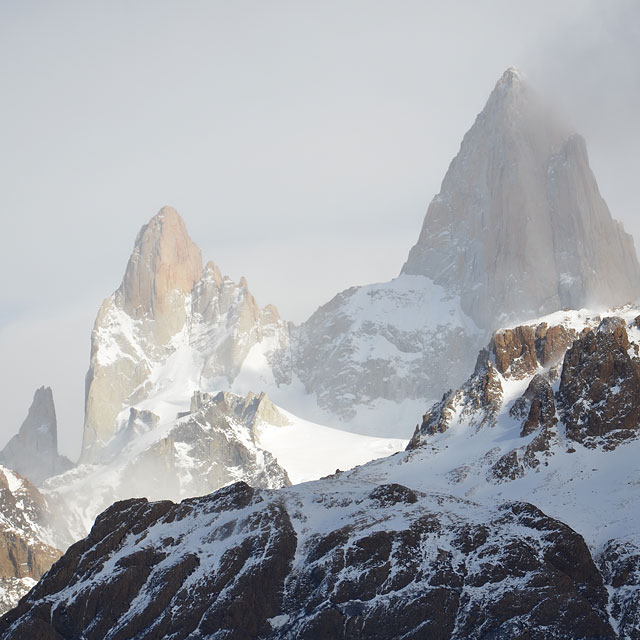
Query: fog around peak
(301, 144)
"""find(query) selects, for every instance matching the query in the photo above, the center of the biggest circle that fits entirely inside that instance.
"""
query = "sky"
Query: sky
(300, 141)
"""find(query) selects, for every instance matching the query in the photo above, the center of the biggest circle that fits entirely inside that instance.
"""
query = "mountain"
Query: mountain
(160, 420)
(171, 328)
(329, 559)
(515, 498)
(29, 534)
(513, 512)
(519, 228)
(33, 451)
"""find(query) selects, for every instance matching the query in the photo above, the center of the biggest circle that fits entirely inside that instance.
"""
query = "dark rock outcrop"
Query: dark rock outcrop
(520, 351)
(619, 562)
(542, 406)
(598, 397)
(243, 563)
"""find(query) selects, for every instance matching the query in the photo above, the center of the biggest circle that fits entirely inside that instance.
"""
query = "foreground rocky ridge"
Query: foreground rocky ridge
(332, 559)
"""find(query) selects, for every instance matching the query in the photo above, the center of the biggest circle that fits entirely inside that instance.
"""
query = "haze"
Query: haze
(301, 142)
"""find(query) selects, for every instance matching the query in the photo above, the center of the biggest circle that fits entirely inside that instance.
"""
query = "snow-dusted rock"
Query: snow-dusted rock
(214, 444)
(402, 340)
(30, 531)
(331, 559)
(33, 451)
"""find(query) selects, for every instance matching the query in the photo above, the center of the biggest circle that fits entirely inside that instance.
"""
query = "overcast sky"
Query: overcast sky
(300, 141)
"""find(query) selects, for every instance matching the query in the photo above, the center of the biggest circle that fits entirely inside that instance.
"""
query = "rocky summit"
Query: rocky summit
(167, 307)
(519, 228)
(33, 451)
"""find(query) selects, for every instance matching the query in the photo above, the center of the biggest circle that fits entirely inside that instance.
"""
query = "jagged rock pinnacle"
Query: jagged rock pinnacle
(164, 260)
(33, 451)
(519, 228)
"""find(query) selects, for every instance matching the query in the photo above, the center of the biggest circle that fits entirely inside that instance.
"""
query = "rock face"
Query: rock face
(26, 526)
(519, 228)
(164, 266)
(33, 451)
(320, 561)
(620, 565)
(599, 390)
(167, 310)
(227, 315)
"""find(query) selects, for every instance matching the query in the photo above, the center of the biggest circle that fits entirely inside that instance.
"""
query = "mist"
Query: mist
(300, 142)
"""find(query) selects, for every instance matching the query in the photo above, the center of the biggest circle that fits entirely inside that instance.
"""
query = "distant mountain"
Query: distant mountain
(33, 451)
(519, 228)
(170, 323)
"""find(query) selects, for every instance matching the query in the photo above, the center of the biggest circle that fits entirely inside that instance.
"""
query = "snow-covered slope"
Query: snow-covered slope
(310, 451)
